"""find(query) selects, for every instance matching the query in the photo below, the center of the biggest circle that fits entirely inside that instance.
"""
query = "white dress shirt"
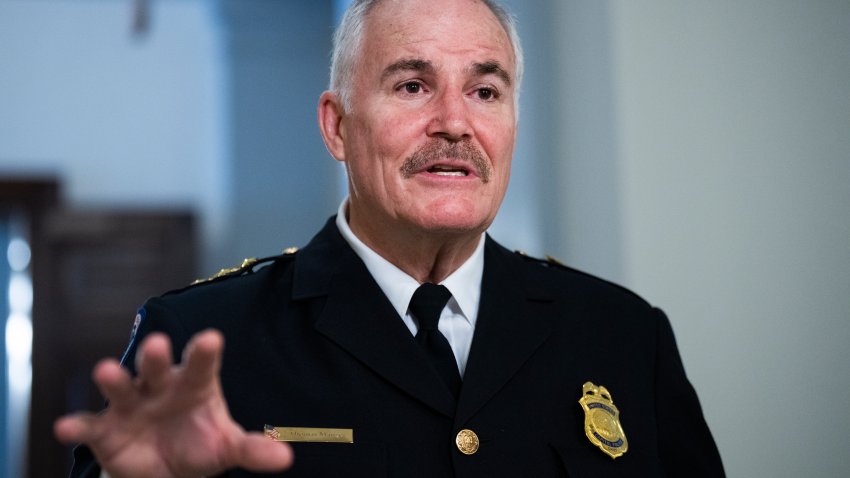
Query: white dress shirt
(457, 321)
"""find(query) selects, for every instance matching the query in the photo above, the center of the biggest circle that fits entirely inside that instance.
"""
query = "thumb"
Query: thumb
(259, 453)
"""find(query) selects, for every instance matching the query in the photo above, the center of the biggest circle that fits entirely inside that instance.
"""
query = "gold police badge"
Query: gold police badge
(602, 420)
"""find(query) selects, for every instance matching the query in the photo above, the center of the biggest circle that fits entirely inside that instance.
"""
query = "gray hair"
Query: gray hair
(348, 39)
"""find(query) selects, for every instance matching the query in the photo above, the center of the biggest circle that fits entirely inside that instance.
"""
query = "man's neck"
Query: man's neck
(424, 255)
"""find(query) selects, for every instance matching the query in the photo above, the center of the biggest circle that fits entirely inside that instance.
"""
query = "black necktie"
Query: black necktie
(426, 305)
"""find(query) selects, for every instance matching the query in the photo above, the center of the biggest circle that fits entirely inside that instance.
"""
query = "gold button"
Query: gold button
(467, 442)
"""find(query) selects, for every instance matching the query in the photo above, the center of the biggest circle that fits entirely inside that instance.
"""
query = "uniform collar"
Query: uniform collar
(398, 286)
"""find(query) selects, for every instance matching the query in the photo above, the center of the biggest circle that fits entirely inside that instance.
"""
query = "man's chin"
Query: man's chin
(454, 225)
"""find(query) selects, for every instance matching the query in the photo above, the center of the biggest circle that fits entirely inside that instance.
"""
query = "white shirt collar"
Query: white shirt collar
(398, 286)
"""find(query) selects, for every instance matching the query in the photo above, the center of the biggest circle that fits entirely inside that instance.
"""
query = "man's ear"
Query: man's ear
(330, 124)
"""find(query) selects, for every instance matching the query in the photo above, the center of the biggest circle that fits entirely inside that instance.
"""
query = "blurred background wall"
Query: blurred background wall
(696, 152)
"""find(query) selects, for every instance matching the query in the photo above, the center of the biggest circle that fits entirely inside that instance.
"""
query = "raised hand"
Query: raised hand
(170, 420)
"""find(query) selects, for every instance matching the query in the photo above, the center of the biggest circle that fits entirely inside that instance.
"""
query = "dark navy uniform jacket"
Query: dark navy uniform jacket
(311, 341)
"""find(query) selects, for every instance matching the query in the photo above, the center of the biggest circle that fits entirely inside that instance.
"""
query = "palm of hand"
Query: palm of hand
(171, 420)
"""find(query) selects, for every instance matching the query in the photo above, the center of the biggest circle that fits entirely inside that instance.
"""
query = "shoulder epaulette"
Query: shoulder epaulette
(246, 267)
(552, 263)
(548, 261)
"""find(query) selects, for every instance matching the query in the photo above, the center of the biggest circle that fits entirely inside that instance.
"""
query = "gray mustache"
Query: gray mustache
(440, 149)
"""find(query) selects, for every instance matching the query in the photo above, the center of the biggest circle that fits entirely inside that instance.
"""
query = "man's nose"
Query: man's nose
(451, 117)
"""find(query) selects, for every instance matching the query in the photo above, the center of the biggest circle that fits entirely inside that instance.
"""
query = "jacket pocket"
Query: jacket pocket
(586, 462)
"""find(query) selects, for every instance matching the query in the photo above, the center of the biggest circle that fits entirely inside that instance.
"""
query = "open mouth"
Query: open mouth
(444, 170)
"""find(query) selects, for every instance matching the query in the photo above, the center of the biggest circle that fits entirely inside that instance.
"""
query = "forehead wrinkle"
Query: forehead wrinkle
(408, 64)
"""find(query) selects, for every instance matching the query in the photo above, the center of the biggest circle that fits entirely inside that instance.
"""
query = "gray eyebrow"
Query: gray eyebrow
(492, 68)
(413, 64)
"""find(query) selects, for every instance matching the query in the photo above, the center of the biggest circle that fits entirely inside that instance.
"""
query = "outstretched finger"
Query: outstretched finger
(259, 453)
(76, 428)
(153, 362)
(202, 357)
(114, 383)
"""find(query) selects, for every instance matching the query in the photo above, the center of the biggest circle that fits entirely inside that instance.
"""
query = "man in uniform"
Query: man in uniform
(402, 341)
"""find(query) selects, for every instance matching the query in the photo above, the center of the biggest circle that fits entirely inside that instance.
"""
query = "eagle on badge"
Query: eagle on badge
(602, 420)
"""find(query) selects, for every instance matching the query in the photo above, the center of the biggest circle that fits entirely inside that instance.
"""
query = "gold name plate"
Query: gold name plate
(310, 435)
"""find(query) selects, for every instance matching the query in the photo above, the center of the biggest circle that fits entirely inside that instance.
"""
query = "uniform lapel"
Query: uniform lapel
(359, 318)
(512, 323)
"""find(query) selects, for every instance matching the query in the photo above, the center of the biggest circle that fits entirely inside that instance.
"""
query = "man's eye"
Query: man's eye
(412, 88)
(486, 94)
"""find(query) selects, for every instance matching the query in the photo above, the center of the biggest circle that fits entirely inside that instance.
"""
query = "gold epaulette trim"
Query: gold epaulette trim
(246, 265)
(555, 261)
(547, 259)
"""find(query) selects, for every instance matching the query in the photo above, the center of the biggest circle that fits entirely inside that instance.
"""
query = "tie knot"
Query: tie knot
(427, 304)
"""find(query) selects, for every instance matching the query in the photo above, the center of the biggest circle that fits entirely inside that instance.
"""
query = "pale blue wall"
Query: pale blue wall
(213, 109)
(733, 151)
(122, 119)
(283, 181)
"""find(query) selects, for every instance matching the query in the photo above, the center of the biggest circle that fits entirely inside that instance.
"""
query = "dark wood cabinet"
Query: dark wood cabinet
(91, 270)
